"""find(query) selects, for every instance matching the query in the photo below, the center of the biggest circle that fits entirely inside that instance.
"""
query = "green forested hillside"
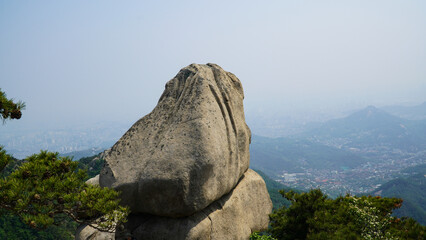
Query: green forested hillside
(412, 190)
(273, 187)
(92, 165)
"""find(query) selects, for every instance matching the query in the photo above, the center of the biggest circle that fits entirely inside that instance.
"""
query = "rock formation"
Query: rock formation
(183, 168)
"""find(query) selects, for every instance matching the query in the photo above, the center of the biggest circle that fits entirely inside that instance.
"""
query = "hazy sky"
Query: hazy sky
(85, 61)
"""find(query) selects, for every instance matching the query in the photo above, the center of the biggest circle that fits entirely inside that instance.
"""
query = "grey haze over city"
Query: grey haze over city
(96, 67)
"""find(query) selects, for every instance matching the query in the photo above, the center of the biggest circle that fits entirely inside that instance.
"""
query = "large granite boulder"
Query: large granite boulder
(188, 152)
(234, 216)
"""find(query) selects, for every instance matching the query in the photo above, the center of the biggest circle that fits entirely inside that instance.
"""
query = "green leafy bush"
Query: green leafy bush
(257, 236)
(313, 215)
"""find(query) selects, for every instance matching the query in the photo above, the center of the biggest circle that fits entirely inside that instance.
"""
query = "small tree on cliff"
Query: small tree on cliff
(47, 189)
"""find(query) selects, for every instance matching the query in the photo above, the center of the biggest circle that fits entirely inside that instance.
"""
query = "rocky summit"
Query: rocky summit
(189, 151)
(183, 168)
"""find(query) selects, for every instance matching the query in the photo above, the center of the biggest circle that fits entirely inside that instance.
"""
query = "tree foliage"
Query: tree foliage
(9, 109)
(313, 215)
(12, 228)
(46, 189)
(261, 236)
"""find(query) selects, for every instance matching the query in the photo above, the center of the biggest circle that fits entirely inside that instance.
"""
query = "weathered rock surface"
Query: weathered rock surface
(183, 168)
(85, 232)
(188, 152)
(234, 216)
(93, 181)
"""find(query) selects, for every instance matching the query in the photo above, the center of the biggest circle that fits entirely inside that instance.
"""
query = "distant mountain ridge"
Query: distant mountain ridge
(417, 112)
(77, 155)
(371, 127)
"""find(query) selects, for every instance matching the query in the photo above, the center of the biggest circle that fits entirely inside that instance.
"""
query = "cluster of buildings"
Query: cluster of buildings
(363, 179)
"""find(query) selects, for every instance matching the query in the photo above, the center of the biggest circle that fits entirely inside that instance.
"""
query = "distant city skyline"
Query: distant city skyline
(83, 62)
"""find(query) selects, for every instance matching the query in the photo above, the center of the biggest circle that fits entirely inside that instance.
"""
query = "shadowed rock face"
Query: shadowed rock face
(188, 152)
(234, 216)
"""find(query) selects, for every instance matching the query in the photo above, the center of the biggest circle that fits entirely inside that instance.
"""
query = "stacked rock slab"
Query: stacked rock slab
(183, 168)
